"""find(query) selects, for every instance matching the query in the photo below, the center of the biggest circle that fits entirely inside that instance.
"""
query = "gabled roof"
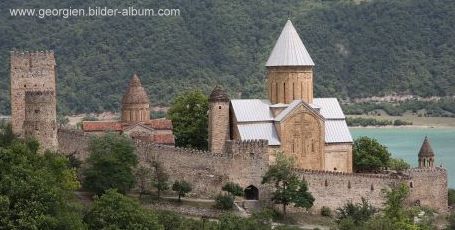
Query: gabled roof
(329, 108)
(259, 131)
(99, 126)
(252, 110)
(294, 104)
(289, 49)
(132, 126)
(337, 131)
(159, 124)
(426, 150)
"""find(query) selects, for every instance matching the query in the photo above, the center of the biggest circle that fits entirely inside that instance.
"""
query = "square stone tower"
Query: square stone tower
(30, 71)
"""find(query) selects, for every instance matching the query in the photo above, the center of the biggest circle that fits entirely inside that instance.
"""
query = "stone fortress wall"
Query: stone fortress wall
(246, 162)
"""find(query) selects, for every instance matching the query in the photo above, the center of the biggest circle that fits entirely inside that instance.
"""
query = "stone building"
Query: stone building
(135, 118)
(33, 96)
(313, 130)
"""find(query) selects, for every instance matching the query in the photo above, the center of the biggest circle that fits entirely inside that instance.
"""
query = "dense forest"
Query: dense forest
(361, 48)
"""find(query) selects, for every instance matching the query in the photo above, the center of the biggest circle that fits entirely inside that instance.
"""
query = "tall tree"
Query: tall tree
(37, 191)
(110, 164)
(188, 113)
(160, 178)
(369, 155)
(289, 189)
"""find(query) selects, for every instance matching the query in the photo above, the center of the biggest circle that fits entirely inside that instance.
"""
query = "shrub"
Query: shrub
(225, 202)
(451, 196)
(233, 188)
(325, 211)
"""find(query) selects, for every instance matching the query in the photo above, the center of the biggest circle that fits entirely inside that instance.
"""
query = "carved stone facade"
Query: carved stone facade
(302, 134)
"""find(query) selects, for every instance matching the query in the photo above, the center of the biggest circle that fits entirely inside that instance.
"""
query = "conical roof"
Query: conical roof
(289, 49)
(426, 150)
(136, 93)
(218, 94)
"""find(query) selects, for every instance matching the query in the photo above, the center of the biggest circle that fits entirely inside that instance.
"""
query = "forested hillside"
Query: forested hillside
(361, 49)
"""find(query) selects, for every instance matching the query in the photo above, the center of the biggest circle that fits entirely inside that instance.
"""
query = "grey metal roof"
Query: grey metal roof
(289, 109)
(330, 108)
(252, 110)
(337, 131)
(289, 49)
(257, 131)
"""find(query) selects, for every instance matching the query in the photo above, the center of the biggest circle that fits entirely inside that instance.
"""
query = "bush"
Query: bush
(451, 193)
(357, 213)
(224, 202)
(325, 211)
(233, 188)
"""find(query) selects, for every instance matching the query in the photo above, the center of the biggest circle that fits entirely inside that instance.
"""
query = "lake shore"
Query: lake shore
(417, 122)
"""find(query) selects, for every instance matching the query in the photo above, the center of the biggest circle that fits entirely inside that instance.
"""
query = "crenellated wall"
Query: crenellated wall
(245, 163)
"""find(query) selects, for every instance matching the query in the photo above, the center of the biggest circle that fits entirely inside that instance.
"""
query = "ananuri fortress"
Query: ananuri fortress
(243, 134)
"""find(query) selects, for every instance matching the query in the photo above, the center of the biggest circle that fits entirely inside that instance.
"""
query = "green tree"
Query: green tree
(369, 155)
(233, 188)
(143, 175)
(160, 178)
(398, 164)
(188, 113)
(451, 196)
(37, 191)
(224, 201)
(289, 189)
(181, 187)
(110, 164)
(115, 211)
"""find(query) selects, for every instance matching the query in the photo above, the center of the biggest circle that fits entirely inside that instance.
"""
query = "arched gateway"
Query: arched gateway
(251, 193)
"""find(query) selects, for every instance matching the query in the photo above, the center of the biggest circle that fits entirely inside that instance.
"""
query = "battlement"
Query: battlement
(357, 175)
(44, 96)
(247, 148)
(27, 59)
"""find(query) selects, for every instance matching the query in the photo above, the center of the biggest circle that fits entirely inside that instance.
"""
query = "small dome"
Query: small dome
(218, 94)
(426, 150)
(136, 93)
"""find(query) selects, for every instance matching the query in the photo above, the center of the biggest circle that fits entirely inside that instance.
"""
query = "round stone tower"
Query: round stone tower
(218, 120)
(41, 118)
(289, 69)
(135, 102)
(426, 155)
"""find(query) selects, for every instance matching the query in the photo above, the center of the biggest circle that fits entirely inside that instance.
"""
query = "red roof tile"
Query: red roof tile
(93, 126)
(159, 124)
(167, 139)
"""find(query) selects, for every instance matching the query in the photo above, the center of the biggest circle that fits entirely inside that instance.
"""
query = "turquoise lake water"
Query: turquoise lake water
(405, 143)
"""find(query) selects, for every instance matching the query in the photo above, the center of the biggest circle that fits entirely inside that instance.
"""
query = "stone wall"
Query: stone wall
(30, 71)
(338, 157)
(288, 83)
(428, 187)
(245, 163)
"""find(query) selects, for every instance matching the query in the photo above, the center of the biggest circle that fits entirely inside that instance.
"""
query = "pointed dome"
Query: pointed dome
(218, 94)
(426, 150)
(136, 93)
(289, 49)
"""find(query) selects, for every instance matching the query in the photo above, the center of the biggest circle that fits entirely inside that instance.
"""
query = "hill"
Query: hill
(361, 49)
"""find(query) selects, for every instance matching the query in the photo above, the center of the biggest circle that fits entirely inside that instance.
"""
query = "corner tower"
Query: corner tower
(289, 69)
(41, 118)
(135, 102)
(30, 71)
(426, 155)
(218, 120)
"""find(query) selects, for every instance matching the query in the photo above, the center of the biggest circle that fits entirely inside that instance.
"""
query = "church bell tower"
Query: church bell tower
(289, 69)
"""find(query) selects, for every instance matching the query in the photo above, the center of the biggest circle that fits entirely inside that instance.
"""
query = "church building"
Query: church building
(135, 118)
(312, 130)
